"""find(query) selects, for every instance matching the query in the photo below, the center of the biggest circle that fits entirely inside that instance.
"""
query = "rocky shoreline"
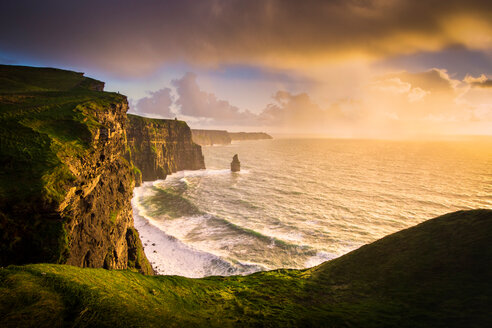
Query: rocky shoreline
(76, 159)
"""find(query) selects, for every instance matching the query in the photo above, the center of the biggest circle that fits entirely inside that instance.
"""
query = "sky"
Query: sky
(342, 68)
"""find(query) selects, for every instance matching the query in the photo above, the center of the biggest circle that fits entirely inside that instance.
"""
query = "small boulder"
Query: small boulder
(235, 164)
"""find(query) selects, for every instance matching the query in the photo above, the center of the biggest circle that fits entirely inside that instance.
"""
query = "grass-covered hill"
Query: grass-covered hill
(436, 274)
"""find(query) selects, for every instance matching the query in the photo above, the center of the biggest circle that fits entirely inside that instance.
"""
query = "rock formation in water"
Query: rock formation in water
(161, 147)
(211, 137)
(235, 164)
(222, 137)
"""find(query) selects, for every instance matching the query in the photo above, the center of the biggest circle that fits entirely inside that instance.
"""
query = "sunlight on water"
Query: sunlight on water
(297, 203)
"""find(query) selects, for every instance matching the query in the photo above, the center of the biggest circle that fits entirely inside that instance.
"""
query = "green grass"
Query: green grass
(47, 119)
(21, 79)
(436, 274)
(43, 127)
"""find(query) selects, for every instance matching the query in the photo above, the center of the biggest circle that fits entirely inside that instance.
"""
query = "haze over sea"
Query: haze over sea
(299, 202)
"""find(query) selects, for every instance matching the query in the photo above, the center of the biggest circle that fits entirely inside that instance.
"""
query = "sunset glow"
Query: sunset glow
(329, 59)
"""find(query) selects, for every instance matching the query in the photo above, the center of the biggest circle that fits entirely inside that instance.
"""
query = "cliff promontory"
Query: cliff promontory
(241, 136)
(161, 147)
(66, 180)
(223, 137)
(211, 137)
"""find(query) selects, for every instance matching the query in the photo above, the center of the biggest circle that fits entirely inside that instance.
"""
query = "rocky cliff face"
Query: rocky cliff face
(97, 207)
(67, 181)
(161, 147)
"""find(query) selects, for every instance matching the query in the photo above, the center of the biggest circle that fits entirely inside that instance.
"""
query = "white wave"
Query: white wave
(169, 256)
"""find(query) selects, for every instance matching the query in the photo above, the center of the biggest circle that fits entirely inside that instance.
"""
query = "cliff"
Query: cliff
(240, 136)
(161, 147)
(66, 180)
(436, 274)
(211, 137)
(223, 137)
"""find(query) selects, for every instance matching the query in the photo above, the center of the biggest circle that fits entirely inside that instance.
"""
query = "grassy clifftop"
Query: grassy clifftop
(436, 274)
(21, 79)
(46, 116)
(66, 182)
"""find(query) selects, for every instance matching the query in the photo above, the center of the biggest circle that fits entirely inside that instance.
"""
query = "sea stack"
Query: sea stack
(235, 164)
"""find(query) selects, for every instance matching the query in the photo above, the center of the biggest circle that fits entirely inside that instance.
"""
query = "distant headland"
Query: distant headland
(223, 137)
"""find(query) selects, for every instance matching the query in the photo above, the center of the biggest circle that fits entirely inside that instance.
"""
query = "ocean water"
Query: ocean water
(299, 202)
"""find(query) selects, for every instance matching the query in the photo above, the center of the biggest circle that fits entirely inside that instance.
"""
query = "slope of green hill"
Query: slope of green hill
(436, 274)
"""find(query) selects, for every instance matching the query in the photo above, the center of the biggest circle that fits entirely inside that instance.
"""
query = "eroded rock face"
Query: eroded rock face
(75, 207)
(161, 147)
(235, 164)
(97, 210)
(67, 174)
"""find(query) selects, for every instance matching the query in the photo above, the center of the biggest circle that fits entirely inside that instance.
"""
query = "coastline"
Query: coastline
(170, 256)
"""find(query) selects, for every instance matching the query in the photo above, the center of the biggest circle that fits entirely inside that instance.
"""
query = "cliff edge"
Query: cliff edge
(66, 180)
(161, 147)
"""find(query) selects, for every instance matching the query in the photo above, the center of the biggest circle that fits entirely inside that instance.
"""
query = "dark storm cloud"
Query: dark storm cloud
(135, 37)
(458, 60)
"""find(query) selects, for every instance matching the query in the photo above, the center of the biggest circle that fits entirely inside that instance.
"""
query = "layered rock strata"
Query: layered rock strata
(67, 181)
(161, 147)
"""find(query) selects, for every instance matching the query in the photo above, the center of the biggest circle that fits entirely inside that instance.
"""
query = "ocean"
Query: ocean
(299, 202)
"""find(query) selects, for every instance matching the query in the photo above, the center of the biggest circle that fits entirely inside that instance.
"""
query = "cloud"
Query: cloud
(417, 94)
(137, 37)
(291, 112)
(480, 81)
(393, 85)
(395, 104)
(434, 80)
(195, 102)
(459, 61)
(158, 103)
(431, 102)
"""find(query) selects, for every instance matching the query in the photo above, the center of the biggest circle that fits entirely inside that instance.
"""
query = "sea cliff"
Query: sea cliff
(161, 147)
(211, 137)
(223, 137)
(67, 173)
(240, 136)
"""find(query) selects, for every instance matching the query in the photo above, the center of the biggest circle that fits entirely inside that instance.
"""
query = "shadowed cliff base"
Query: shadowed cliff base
(436, 274)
